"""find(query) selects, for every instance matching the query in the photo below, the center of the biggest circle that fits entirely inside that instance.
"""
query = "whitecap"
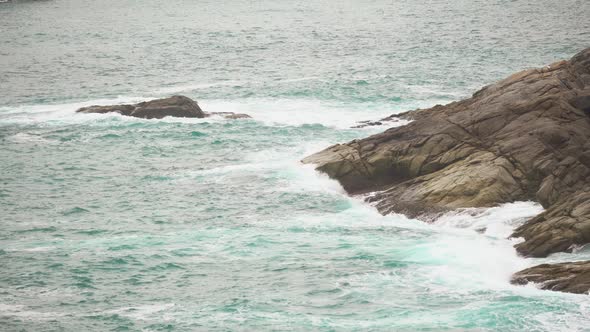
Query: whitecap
(143, 312)
(21, 311)
(299, 112)
(33, 249)
(23, 137)
(497, 221)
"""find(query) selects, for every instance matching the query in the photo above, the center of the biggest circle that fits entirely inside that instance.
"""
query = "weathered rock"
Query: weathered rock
(563, 226)
(562, 277)
(526, 137)
(176, 106)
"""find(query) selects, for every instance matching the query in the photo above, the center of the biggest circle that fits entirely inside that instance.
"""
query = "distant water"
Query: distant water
(122, 224)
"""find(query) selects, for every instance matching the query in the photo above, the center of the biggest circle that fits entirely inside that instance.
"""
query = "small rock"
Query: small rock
(562, 277)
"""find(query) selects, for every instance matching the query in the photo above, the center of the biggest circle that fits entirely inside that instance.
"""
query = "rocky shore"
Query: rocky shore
(563, 277)
(175, 106)
(526, 137)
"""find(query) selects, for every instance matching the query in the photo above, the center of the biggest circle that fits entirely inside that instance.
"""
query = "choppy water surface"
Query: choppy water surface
(113, 223)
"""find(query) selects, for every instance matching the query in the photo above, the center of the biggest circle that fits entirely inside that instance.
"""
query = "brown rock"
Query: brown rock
(562, 277)
(564, 225)
(526, 137)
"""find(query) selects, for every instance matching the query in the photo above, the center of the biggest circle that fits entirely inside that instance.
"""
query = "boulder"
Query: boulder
(176, 106)
(562, 277)
(526, 137)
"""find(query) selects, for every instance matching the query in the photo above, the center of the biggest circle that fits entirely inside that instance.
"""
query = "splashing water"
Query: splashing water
(115, 223)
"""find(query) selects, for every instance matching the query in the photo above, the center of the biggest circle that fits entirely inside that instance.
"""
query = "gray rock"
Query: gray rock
(176, 106)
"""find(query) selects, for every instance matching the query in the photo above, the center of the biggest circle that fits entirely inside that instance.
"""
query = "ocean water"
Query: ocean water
(110, 223)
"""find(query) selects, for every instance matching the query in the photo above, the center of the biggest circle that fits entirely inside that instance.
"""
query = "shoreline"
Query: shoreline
(522, 138)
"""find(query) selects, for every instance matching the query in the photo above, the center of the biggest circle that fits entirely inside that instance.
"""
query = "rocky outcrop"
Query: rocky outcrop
(175, 106)
(562, 227)
(526, 137)
(563, 277)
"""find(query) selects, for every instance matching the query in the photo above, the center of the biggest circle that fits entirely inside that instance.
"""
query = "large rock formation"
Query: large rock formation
(563, 277)
(526, 137)
(175, 106)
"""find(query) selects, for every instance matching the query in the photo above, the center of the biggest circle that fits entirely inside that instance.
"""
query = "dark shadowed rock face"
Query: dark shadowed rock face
(563, 277)
(526, 137)
(176, 106)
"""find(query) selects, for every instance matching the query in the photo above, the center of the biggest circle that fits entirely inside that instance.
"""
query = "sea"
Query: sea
(112, 223)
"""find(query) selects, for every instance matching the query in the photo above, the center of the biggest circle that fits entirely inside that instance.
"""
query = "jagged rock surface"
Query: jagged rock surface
(526, 137)
(562, 277)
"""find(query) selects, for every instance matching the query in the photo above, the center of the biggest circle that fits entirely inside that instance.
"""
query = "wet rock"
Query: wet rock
(363, 124)
(390, 120)
(562, 277)
(562, 227)
(175, 106)
(526, 137)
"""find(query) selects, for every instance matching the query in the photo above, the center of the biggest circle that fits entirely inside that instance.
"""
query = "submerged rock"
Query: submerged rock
(363, 124)
(175, 106)
(563, 277)
(231, 115)
(526, 137)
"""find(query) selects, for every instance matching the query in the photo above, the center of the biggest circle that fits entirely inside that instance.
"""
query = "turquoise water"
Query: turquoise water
(122, 224)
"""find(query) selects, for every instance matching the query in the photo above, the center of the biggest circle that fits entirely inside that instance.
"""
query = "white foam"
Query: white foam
(33, 249)
(468, 258)
(497, 221)
(270, 111)
(297, 112)
(456, 251)
(143, 312)
(60, 113)
(22, 311)
(26, 138)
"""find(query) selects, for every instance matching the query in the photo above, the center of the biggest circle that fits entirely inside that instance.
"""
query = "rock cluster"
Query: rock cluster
(526, 137)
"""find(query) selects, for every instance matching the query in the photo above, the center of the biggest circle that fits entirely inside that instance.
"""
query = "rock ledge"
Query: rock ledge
(562, 277)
